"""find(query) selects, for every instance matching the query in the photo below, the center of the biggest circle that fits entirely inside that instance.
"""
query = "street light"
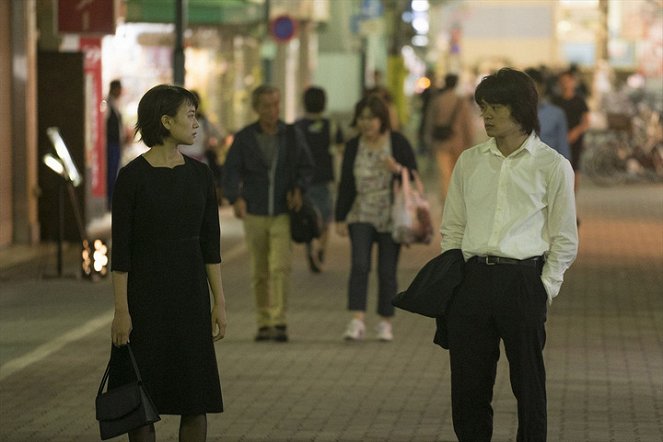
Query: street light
(64, 157)
(94, 255)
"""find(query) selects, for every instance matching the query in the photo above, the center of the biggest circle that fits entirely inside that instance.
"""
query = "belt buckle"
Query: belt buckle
(491, 260)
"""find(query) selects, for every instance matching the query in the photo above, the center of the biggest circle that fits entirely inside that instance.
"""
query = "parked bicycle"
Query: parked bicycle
(629, 150)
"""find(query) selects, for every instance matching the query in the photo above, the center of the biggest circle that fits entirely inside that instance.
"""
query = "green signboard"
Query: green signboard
(199, 12)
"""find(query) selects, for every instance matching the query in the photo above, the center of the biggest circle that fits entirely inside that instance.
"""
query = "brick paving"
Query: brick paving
(604, 352)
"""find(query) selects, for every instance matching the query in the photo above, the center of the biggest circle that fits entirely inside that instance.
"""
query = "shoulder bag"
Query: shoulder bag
(305, 223)
(125, 408)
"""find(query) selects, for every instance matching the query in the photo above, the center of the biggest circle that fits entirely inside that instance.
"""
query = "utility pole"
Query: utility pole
(178, 53)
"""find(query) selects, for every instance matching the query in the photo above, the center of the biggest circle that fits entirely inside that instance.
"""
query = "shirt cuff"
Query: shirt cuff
(552, 288)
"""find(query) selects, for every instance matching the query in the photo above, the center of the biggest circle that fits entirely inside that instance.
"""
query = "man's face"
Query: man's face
(497, 120)
(267, 108)
(567, 83)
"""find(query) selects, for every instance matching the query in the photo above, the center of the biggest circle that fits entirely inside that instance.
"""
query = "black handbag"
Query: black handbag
(305, 223)
(125, 408)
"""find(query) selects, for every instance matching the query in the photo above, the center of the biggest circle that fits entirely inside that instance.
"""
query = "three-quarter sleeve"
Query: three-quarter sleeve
(210, 236)
(122, 221)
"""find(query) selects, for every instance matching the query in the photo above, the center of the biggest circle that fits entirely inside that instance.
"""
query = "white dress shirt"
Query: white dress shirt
(520, 206)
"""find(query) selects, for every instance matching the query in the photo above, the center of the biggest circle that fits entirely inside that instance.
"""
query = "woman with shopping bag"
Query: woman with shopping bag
(371, 162)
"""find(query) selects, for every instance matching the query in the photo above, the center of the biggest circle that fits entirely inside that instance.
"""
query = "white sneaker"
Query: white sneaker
(384, 332)
(355, 330)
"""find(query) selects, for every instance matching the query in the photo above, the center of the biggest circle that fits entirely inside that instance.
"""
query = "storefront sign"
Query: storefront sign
(86, 16)
(95, 137)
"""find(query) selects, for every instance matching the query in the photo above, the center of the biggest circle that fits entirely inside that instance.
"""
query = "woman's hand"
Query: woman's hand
(391, 165)
(219, 322)
(342, 229)
(121, 328)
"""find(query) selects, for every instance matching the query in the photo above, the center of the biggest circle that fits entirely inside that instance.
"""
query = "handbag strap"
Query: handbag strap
(104, 379)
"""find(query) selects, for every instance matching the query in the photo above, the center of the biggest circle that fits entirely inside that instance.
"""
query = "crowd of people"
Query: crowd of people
(508, 203)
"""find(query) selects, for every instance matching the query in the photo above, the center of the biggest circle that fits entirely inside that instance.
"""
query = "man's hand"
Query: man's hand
(342, 229)
(294, 199)
(239, 207)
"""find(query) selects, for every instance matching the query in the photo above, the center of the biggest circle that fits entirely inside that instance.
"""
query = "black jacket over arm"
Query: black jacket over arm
(402, 152)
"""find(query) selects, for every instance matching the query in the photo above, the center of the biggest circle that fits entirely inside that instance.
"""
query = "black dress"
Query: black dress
(165, 229)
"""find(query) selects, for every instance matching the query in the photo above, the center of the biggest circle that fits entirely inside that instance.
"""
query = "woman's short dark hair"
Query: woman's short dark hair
(161, 100)
(514, 89)
(378, 108)
(315, 100)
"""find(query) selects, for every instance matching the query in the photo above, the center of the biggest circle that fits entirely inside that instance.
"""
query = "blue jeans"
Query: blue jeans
(362, 237)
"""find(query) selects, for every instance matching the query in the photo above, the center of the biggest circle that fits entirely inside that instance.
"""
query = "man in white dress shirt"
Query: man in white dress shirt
(511, 210)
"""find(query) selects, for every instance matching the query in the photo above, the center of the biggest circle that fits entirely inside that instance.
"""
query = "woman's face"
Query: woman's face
(184, 124)
(368, 124)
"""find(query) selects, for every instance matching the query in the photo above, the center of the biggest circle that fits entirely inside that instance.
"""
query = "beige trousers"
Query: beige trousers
(270, 250)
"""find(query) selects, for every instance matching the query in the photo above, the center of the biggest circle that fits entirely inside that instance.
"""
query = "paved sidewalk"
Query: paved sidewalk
(604, 351)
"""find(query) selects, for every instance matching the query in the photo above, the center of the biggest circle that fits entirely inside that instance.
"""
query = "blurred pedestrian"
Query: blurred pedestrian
(425, 97)
(551, 118)
(207, 137)
(204, 147)
(448, 129)
(322, 136)
(371, 162)
(115, 138)
(165, 261)
(511, 210)
(258, 183)
(577, 119)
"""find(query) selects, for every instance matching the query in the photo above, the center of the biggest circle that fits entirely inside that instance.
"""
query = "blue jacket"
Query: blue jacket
(248, 175)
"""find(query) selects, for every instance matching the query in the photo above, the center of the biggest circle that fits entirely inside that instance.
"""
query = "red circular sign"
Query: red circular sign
(283, 28)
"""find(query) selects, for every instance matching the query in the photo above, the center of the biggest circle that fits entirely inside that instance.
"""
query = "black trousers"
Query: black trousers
(494, 302)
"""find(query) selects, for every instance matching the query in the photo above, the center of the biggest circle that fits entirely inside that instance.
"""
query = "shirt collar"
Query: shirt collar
(529, 145)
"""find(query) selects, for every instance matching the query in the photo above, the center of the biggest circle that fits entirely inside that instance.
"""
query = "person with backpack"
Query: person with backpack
(323, 137)
(448, 129)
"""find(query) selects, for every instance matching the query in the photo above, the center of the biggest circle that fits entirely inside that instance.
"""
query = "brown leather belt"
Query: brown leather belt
(495, 260)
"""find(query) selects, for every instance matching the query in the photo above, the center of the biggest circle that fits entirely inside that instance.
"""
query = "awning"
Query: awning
(200, 12)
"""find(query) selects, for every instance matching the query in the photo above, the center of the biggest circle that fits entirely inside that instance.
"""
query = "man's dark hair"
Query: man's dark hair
(315, 100)
(161, 100)
(450, 81)
(535, 75)
(514, 89)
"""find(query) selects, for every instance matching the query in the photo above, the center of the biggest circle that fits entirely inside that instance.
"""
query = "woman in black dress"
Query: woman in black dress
(165, 260)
